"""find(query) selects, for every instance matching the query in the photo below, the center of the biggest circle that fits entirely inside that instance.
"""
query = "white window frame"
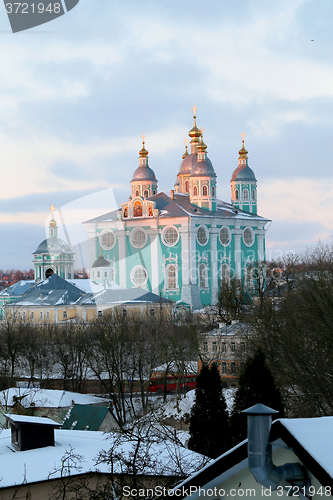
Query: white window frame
(133, 232)
(100, 237)
(207, 235)
(203, 283)
(134, 269)
(170, 226)
(253, 236)
(166, 276)
(229, 236)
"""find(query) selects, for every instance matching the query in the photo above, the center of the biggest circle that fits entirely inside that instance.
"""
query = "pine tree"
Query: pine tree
(256, 385)
(209, 417)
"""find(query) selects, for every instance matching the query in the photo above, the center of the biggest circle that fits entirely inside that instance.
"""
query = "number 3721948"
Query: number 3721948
(32, 8)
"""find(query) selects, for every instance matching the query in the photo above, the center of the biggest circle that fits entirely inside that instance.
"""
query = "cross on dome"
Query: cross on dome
(194, 109)
(52, 208)
(143, 138)
(243, 135)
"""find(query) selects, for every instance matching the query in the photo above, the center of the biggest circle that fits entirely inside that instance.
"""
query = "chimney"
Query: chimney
(259, 421)
(172, 192)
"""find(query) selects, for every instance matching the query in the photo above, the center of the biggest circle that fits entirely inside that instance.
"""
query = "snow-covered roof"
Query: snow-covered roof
(315, 435)
(28, 419)
(21, 465)
(47, 398)
(90, 286)
(311, 440)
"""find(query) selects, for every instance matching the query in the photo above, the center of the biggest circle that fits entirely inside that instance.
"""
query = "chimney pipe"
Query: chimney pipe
(259, 421)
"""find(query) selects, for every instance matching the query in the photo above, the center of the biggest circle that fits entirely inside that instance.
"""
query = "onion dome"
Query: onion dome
(243, 172)
(187, 164)
(186, 153)
(143, 172)
(101, 262)
(203, 167)
(52, 245)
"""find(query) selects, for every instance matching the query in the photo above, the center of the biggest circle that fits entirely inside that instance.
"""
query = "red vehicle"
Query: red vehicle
(180, 383)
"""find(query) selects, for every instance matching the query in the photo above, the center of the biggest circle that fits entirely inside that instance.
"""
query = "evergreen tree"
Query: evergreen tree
(256, 385)
(209, 417)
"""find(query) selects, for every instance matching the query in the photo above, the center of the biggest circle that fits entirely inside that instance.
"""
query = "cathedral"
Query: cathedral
(182, 246)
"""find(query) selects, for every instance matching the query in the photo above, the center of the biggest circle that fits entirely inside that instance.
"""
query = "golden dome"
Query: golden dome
(143, 152)
(202, 146)
(243, 152)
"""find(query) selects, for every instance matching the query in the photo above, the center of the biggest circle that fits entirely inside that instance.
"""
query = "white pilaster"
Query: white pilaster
(214, 264)
(185, 252)
(154, 254)
(121, 235)
(238, 254)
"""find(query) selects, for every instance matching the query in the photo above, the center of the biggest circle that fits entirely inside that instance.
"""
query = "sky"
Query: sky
(77, 93)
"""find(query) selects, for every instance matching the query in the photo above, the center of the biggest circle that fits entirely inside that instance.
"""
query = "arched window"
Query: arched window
(98, 274)
(213, 191)
(146, 193)
(225, 273)
(246, 194)
(204, 191)
(187, 187)
(195, 191)
(137, 209)
(253, 194)
(249, 276)
(171, 277)
(154, 191)
(237, 194)
(137, 193)
(203, 276)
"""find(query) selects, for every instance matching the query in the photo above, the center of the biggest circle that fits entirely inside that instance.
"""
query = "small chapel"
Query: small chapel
(185, 244)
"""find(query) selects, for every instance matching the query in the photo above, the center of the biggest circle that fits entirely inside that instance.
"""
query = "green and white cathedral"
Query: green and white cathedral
(184, 244)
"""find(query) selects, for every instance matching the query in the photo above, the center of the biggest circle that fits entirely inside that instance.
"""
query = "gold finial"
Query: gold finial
(52, 208)
(194, 109)
(143, 152)
(186, 153)
(100, 254)
(52, 221)
(202, 130)
(194, 133)
(242, 151)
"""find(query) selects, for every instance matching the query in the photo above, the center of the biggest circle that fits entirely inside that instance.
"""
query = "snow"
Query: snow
(91, 286)
(316, 437)
(31, 420)
(47, 398)
(20, 466)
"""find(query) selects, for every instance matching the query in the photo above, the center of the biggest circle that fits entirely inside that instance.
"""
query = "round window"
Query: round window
(139, 276)
(138, 238)
(225, 236)
(248, 236)
(170, 236)
(202, 235)
(107, 239)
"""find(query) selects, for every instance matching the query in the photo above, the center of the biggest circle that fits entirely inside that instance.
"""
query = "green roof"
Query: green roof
(87, 417)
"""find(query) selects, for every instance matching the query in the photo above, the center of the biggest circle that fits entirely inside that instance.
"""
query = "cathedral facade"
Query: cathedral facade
(186, 244)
